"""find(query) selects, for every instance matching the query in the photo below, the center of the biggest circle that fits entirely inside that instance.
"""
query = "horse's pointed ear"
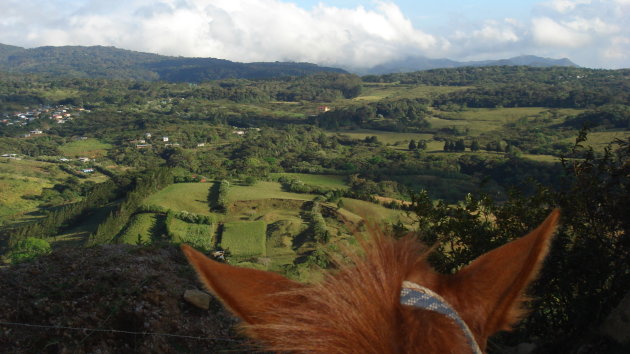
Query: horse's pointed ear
(495, 282)
(246, 292)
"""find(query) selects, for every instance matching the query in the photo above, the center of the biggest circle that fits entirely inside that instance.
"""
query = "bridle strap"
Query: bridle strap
(412, 294)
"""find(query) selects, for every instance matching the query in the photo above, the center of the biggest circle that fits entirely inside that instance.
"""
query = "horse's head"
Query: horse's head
(388, 301)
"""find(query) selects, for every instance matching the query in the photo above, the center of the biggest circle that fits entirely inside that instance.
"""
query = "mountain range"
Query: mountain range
(411, 64)
(115, 63)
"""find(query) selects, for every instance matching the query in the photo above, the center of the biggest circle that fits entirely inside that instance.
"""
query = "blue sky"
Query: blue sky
(428, 14)
(345, 33)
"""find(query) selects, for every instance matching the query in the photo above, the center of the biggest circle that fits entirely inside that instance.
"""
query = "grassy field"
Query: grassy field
(24, 178)
(190, 197)
(599, 140)
(140, 229)
(377, 91)
(383, 136)
(197, 235)
(373, 212)
(541, 158)
(12, 189)
(263, 190)
(331, 181)
(78, 235)
(245, 238)
(91, 148)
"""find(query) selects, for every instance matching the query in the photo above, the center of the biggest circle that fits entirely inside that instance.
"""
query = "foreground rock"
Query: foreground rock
(106, 299)
(197, 298)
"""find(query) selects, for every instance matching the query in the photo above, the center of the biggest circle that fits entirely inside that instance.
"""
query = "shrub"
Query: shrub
(28, 249)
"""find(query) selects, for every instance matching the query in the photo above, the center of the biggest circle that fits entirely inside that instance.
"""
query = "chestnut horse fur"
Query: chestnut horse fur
(356, 308)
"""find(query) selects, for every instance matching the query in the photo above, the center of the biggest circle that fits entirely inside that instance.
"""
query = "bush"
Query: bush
(28, 249)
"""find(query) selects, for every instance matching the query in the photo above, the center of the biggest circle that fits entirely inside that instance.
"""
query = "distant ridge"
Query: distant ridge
(411, 64)
(115, 63)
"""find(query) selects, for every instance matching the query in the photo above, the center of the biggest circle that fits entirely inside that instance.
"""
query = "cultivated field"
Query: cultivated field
(373, 212)
(190, 197)
(263, 190)
(599, 140)
(329, 181)
(245, 238)
(91, 148)
(200, 236)
(140, 229)
(20, 182)
(379, 91)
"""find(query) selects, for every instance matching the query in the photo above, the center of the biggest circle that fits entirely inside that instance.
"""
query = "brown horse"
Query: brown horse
(388, 301)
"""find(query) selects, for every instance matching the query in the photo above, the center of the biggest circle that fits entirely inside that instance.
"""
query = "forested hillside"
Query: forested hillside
(276, 173)
(114, 63)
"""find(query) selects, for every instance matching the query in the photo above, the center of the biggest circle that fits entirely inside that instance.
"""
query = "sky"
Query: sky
(342, 33)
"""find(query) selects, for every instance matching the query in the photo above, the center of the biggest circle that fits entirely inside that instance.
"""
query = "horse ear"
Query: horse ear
(495, 282)
(246, 292)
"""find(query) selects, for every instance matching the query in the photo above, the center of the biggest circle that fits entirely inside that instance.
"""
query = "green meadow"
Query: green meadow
(599, 140)
(263, 190)
(374, 212)
(245, 238)
(20, 181)
(140, 229)
(330, 181)
(379, 91)
(197, 235)
(92, 148)
(190, 197)
(391, 138)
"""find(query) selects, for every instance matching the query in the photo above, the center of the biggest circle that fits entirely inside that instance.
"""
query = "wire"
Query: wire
(114, 331)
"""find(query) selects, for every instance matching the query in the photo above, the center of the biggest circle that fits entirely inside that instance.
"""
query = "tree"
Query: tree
(474, 146)
(460, 145)
(412, 145)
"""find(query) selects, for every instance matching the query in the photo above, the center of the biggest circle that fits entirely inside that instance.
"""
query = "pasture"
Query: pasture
(91, 148)
(374, 212)
(373, 92)
(329, 181)
(140, 229)
(20, 180)
(200, 236)
(13, 206)
(245, 238)
(391, 138)
(263, 190)
(599, 140)
(77, 235)
(190, 197)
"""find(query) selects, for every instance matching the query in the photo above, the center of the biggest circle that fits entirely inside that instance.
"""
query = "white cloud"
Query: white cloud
(591, 32)
(241, 30)
(563, 6)
(548, 32)
(619, 49)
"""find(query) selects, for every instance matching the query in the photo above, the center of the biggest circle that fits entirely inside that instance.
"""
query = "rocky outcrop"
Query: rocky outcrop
(109, 299)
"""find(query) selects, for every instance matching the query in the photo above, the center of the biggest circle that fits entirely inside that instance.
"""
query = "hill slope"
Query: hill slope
(115, 63)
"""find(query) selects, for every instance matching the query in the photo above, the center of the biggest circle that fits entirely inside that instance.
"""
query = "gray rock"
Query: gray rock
(617, 324)
(197, 298)
(525, 348)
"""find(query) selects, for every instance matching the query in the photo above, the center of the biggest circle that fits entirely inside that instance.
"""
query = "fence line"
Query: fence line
(114, 331)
